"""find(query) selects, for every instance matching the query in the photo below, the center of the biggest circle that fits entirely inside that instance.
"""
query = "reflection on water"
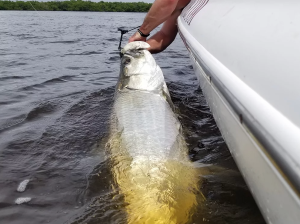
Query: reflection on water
(57, 78)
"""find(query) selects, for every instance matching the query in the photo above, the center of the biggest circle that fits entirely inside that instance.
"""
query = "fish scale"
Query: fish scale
(148, 152)
(147, 122)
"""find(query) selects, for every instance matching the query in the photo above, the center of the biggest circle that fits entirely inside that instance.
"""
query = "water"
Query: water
(57, 78)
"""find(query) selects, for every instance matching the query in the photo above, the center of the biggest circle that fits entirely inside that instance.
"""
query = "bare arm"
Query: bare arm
(158, 13)
(163, 38)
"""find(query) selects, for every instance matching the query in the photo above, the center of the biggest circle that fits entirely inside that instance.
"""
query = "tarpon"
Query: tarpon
(149, 155)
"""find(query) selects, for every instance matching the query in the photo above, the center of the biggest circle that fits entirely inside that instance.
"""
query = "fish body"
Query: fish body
(149, 155)
(150, 130)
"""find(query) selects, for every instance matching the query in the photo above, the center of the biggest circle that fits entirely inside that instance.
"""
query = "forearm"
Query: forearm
(163, 38)
(160, 41)
(158, 13)
(156, 43)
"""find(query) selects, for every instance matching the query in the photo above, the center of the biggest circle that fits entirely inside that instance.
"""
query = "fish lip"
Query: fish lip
(128, 55)
(134, 53)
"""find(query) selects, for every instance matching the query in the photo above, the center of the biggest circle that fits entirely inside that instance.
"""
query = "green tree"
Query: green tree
(76, 5)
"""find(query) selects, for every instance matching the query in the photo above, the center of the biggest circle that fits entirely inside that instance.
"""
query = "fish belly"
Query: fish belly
(149, 157)
(147, 125)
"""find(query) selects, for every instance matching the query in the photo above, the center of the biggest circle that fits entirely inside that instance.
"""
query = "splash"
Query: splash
(22, 186)
(22, 200)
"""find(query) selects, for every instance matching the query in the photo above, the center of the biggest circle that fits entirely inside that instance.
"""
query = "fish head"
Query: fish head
(139, 70)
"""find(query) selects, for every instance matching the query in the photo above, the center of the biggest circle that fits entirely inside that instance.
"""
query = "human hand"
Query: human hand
(136, 37)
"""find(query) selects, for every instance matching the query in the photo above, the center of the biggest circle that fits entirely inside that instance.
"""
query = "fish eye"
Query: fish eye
(127, 61)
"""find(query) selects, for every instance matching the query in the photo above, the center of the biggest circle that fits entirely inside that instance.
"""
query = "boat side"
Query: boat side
(262, 137)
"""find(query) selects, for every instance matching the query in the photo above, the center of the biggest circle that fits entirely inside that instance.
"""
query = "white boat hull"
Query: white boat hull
(263, 140)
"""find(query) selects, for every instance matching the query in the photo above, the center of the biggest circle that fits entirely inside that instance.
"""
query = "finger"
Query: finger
(134, 37)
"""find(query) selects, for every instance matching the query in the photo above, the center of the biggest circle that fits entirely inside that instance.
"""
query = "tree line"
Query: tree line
(76, 5)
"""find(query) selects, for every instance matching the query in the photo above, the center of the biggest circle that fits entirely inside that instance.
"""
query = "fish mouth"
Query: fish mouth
(128, 55)
(136, 53)
(132, 55)
(135, 46)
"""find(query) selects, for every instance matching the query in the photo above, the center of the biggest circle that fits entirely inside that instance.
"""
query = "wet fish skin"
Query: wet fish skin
(148, 152)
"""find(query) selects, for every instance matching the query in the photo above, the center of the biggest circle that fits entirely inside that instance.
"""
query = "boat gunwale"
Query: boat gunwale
(274, 148)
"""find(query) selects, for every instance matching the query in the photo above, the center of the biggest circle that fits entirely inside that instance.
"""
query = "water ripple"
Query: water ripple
(57, 88)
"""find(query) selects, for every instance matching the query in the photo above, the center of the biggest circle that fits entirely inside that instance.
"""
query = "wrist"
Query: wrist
(142, 33)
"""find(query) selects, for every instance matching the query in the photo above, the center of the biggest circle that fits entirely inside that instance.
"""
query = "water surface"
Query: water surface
(57, 78)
